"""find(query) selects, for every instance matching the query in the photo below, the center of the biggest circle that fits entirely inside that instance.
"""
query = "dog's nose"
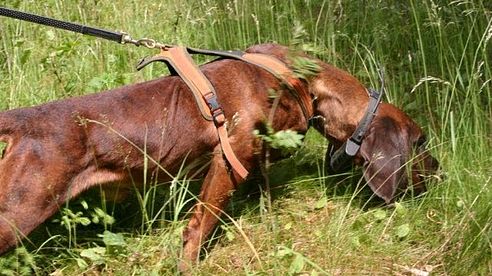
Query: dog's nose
(317, 122)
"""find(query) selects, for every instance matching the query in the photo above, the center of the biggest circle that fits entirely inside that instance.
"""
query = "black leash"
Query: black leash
(119, 37)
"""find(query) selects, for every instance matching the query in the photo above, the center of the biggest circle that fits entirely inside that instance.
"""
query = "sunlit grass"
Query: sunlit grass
(437, 60)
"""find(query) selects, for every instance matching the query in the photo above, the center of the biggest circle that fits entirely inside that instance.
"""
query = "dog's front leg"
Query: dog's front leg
(214, 196)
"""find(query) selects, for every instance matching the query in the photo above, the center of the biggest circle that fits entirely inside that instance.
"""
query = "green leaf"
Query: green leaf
(361, 222)
(115, 243)
(403, 230)
(400, 209)
(355, 241)
(286, 140)
(288, 226)
(84, 204)
(297, 264)
(95, 254)
(283, 251)
(228, 233)
(379, 214)
(100, 214)
(81, 263)
(26, 54)
(460, 204)
(112, 239)
(321, 203)
(84, 221)
(304, 67)
(50, 35)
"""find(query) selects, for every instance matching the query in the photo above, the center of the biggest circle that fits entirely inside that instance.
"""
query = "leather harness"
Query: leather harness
(179, 61)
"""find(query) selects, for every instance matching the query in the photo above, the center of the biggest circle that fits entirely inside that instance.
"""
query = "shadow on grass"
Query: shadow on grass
(295, 176)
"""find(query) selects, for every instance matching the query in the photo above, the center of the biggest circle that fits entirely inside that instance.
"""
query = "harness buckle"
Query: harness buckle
(212, 101)
(218, 117)
(215, 109)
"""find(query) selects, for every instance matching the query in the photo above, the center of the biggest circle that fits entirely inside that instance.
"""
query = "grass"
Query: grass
(437, 58)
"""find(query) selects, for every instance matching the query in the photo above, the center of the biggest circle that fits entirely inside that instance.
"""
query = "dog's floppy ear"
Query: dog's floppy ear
(384, 153)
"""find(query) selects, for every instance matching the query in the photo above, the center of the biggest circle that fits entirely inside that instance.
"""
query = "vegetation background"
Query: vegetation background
(437, 56)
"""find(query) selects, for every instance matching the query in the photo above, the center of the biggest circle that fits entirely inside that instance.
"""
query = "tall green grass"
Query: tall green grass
(437, 56)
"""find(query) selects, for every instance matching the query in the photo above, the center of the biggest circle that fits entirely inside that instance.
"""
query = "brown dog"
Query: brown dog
(57, 150)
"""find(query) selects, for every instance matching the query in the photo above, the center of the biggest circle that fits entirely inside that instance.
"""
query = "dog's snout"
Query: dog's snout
(317, 121)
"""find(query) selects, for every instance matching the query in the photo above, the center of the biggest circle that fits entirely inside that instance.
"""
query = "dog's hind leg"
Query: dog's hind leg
(215, 193)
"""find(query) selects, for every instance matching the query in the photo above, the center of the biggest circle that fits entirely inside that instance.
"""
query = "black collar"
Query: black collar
(341, 159)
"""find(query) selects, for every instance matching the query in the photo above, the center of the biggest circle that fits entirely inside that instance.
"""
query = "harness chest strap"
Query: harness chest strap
(179, 60)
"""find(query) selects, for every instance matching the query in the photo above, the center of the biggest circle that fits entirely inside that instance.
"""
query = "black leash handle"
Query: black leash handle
(73, 27)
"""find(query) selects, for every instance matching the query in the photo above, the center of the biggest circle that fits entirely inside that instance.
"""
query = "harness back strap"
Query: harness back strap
(272, 65)
(179, 59)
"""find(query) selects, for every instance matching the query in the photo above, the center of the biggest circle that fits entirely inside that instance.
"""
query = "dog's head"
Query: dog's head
(392, 152)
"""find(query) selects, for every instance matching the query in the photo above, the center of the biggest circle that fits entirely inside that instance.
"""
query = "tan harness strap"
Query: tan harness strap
(284, 73)
(179, 59)
(273, 65)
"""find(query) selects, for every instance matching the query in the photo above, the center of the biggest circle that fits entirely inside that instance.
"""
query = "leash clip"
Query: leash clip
(146, 42)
